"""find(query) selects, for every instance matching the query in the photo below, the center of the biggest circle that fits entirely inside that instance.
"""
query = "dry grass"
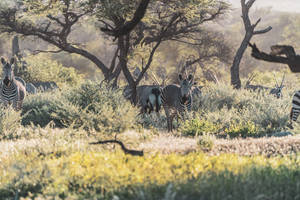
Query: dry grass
(65, 140)
(269, 146)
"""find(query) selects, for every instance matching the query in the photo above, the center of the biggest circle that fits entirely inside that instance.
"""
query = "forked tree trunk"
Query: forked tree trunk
(249, 28)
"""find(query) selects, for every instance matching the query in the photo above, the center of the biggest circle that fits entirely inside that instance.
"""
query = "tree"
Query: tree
(290, 58)
(167, 21)
(250, 32)
(54, 20)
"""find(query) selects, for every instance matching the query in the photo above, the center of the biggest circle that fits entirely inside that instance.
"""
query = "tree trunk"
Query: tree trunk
(124, 47)
(235, 68)
(250, 31)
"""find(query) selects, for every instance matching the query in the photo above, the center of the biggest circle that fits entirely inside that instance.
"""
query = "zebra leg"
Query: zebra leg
(20, 105)
(293, 116)
(15, 104)
(168, 117)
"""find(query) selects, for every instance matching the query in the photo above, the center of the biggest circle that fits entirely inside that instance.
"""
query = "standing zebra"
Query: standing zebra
(177, 99)
(12, 91)
(295, 108)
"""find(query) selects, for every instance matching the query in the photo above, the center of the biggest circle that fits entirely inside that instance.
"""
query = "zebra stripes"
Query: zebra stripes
(12, 91)
(295, 108)
(177, 99)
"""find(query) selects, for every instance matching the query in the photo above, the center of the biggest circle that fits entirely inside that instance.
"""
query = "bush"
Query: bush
(197, 127)
(10, 122)
(107, 109)
(242, 129)
(241, 110)
(88, 105)
(42, 68)
(41, 109)
(206, 142)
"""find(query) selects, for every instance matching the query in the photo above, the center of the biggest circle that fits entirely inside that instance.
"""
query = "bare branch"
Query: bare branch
(126, 151)
(262, 31)
(35, 52)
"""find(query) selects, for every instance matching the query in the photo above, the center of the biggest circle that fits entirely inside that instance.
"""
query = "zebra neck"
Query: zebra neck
(12, 86)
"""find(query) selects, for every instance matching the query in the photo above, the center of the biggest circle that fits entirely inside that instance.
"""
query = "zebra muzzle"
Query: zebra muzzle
(6, 81)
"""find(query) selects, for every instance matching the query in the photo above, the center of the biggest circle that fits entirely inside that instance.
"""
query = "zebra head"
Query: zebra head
(185, 87)
(8, 73)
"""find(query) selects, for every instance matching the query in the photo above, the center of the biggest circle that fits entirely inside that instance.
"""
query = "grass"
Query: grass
(223, 150)
(103, 174)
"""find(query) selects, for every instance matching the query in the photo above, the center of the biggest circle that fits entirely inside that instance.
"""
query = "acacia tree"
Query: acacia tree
(250, 32)
(54, 20)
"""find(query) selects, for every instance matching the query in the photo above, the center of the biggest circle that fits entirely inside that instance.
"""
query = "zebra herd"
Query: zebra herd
(175, 99)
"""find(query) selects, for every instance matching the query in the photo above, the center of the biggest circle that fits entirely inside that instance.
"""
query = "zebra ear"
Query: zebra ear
(12, 60)
(180, 77)
(3, 61)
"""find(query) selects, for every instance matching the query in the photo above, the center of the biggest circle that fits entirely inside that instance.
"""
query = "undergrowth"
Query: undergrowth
(105, 175)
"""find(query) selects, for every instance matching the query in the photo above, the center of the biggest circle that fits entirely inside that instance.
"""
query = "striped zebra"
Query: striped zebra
(148, 97)
(177, 99)
(12, 91)
(295, 108)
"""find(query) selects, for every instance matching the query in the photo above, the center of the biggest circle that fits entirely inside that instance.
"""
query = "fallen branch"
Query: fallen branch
(126, 151)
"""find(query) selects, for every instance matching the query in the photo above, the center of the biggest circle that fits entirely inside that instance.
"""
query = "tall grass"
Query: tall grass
(102, 175)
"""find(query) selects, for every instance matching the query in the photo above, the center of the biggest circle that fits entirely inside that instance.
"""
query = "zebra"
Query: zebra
(148, 97)
(12, 90)
(30, 88)
(153, 100)
(295, 109)
(177, 99)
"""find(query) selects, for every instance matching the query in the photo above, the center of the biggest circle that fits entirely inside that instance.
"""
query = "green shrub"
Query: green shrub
(10, 122)
(88, 105)
(242, 129)
(222, 105)
(43, 68)
(206, 142)
(197, 127)
(43, 108)
(107, 109)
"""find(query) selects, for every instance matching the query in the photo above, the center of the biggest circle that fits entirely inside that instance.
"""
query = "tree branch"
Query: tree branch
(262, 31)
(293, 61)
(129, 26)
(126, 151)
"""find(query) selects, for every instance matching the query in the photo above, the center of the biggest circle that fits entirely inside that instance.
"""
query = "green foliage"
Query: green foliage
(89, 106)
(242, 129)
(250, 113)
(43, 108)
(206, 142)
(43, 68)
(197, 127)
(106, 175)
(10, 122)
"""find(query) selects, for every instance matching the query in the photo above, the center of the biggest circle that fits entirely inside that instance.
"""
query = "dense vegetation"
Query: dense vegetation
(235, 144)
